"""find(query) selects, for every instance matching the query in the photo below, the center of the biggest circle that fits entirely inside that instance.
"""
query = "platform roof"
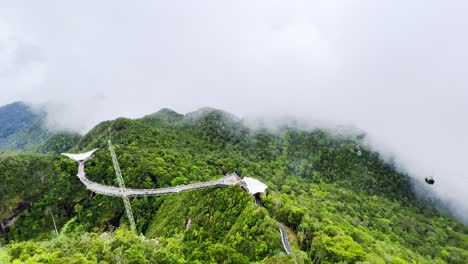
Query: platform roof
(80, 156)
(254, 186)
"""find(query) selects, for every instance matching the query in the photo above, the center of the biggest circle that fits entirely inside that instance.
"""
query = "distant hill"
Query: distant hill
(14, 117)
(22, 128)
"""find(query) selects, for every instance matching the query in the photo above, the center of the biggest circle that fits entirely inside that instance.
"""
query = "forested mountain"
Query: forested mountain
(337, 206)
(14, 117)
(22, 128)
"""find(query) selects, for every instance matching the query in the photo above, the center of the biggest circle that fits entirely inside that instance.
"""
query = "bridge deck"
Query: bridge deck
(129, 192)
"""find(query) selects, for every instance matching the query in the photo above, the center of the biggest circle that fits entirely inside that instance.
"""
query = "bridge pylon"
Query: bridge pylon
(118, 173)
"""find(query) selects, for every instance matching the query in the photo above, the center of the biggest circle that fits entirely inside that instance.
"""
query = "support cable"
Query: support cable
(118, 173)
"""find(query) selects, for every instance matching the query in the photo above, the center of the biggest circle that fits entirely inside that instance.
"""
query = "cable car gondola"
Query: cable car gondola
(357, 149)
(429, 180)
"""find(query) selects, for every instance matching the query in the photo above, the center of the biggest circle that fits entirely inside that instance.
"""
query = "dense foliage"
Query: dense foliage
(337, 206)
(59, 142)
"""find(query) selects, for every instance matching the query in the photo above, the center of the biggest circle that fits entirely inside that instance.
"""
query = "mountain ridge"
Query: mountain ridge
(25, 128)
(342, 207)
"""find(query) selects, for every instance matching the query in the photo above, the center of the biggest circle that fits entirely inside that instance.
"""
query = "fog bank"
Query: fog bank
(395, 69)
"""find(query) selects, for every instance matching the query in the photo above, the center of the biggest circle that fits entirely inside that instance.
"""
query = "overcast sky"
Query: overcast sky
(396, 69)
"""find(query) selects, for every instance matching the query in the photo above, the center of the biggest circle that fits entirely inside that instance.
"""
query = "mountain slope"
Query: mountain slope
(342, 207)
(14, 117)
(22, 128)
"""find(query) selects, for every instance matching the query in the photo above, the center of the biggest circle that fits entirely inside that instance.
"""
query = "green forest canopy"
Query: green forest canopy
(337, 206)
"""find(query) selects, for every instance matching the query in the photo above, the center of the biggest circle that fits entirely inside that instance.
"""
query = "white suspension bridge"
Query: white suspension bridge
(122, 191)
(251, 185)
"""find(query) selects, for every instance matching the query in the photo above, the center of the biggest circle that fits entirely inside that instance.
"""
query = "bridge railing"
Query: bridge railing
(120, 192)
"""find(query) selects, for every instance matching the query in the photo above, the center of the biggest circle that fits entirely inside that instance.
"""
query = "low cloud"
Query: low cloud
(394, 69)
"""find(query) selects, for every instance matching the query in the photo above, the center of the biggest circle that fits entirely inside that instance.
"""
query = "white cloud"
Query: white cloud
(395, 69)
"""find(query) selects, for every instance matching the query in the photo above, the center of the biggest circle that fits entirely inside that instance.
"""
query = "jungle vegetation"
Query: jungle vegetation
(338, 207)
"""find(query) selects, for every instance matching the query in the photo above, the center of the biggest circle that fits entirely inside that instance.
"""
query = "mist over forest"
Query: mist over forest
(390, 74)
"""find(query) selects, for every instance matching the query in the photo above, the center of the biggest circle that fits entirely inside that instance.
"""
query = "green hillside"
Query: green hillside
(22, 128)
(14, 117)
(337, 206)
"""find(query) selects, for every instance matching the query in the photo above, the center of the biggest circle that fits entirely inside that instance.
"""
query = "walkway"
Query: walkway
(285, 240)
(231, 179)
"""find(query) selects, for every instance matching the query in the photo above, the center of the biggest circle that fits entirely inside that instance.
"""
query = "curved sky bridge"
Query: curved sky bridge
(250, 185)
(231, 179)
